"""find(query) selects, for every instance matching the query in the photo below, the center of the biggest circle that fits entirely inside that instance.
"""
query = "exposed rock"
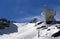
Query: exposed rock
(34, 20)
(56, 34)
(4, 23)
(58, 27)
(42, 27)
(2, 27)
(39, 23)
(48, 29)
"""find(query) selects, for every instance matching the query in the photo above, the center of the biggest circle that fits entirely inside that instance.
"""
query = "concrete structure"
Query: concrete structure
(49, 15)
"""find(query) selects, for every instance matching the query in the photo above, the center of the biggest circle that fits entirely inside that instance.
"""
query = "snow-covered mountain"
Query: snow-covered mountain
(31, 31)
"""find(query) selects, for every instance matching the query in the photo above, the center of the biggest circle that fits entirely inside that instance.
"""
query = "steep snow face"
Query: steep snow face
(19, 31)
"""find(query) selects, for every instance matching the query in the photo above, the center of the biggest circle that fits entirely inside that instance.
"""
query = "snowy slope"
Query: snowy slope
(48, 32)
(19, 31)
(29, 31)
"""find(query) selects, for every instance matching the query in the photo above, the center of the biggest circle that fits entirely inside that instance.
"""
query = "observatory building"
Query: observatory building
(49, 15)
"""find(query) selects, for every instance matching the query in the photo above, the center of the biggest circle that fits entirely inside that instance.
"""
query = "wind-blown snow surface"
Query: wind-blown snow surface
(28, 31)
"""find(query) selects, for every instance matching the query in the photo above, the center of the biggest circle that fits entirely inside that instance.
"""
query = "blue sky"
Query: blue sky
(25, 10)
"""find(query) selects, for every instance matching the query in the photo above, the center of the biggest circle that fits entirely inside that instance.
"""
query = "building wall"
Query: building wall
(49, 14)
